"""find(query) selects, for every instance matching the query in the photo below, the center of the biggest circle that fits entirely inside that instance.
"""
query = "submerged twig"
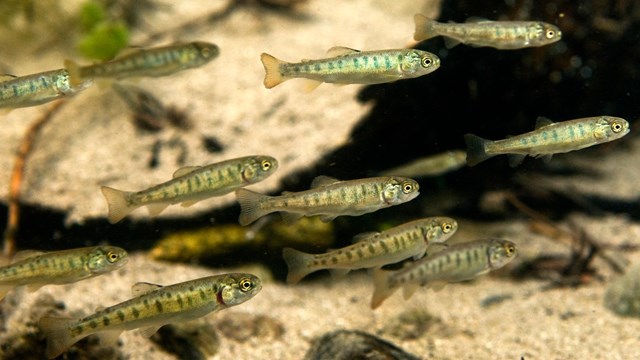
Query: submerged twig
(17, 174)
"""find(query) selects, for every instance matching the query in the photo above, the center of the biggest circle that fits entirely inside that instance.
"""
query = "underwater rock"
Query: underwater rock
(196, 340)
(623, 294)
(350, 345)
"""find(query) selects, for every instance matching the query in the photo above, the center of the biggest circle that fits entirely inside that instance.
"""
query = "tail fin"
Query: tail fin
(74, 72)
(298, 264)
(250, 206)
(381, 288)
(424, 28)
(58, 334)
(272, 75)
(118, 202)
(476, 152)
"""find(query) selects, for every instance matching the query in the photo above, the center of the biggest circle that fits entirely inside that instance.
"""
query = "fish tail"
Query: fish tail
(250, 206)
(118, 202)
(476, 152)
(74, 72)
(56, 331)
(297, 263)
(424, 28)
(381, 288)
(272, 76)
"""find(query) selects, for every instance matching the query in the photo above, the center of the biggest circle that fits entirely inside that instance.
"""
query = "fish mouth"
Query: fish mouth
(413, 196)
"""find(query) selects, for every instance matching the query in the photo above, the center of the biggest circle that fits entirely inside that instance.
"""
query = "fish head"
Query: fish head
(106, 258)
(236, 288)
(545, 34)
(609, 128)
(500, 253)
(440, 229)
(417, 63)
(398, 190)
(206, 51)
(258, 168)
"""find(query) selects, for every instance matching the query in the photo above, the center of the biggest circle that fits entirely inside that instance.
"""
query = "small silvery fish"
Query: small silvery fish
(153, 62)
(36, 89)
(548, 138)
(329, 198)
(458, 262)
(433, 165)
(152, 307)
(35, 268)
(373, 250)
(349, 66)
(482, 32)
(191, 184)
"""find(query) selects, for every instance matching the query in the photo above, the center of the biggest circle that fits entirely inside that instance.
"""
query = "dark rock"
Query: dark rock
(355, 345)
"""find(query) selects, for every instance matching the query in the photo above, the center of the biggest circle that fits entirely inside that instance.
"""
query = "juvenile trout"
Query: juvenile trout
(153, 62)
(349, 66)
(548, 138)
(329, 198)
(457, 262)
(482, 32)
(373, 250)
(35, 268)
(152, 307)
(432, 165)
(191, 184)
(36, 89)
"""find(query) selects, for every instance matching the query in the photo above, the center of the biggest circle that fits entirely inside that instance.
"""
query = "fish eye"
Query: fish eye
(246, 284)
(407, 188)
(112, 256)
(509, 249)
(266, 165)
(616, 126)
(446, 227)
(426, 62)
(550, 34)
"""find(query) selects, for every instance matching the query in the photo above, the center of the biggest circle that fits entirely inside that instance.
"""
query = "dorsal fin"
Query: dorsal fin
(142, 288)
(25, 254)
(7, 77)
(364, 236)
(185, 170)
(542, 121)
(340, 51)
(323, 180)
(476, 19)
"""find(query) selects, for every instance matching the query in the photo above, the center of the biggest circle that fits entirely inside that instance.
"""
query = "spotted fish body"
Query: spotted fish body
(329, 198)
(35, 269)
(153, 307)
(432, 165)
(36, 89)
(191, 184)
(496, 34)
(373, 249)
(353, 67)
(549, 138)
(457, 262)
(153, 62)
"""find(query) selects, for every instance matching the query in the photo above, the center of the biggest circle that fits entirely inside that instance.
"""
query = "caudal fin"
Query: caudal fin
(381, 287)
(58, 334)
(424, 28)
(298, 264)
(272, 75)
(118, 203)
(476, 152)
(250, 206)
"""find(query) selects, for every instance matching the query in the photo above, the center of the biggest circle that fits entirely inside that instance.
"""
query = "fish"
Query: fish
(191, 184)
(458, 262)
(35, 269)
(433, 165)
(505, 35)
(329, 198)
(152, 307)
(152, 62)
(373, 250)
(350, 66)
(548, 138)
(36, 89)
